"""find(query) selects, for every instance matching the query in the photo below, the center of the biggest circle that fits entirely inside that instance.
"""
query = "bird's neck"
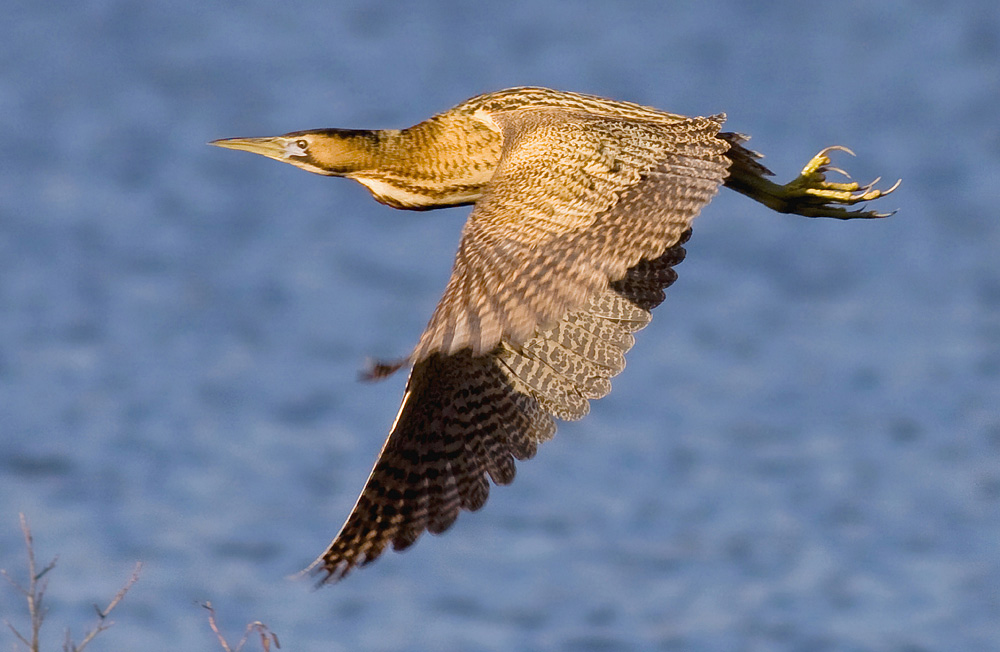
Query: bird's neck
(444, 161)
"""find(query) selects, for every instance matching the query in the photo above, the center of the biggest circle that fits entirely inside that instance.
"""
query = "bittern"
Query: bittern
(582, 205)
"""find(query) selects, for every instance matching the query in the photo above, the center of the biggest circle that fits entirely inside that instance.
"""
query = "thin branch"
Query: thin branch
(34, 593)
(18, 634)
(215, 628)
(266, 635)
(102, 622)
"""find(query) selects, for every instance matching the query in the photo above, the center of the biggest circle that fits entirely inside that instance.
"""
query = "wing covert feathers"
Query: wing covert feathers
(576, 200)
(465, 419)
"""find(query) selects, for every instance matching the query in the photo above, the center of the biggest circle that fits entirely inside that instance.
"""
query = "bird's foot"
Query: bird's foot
(811, 195)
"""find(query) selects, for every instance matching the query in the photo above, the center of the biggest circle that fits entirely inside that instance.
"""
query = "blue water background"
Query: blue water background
(803, 454)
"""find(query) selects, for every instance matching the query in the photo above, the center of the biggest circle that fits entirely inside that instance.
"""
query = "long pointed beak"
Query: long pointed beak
(270, 147)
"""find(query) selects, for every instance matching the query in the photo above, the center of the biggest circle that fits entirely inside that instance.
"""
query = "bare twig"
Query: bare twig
(102, 622)
(266, 635)
(34, 593)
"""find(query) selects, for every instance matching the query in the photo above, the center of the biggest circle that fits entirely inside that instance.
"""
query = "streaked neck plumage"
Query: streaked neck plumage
(444, 161)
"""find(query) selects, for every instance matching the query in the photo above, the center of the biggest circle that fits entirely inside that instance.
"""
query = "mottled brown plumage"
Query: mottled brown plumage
(581, 207)
(533, 249)
(466, 418)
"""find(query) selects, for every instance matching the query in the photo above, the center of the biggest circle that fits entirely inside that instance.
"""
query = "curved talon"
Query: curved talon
(838, 170)
(866, 188)
(871, 192)
(870, 214)
(839, 148)
(821, 162)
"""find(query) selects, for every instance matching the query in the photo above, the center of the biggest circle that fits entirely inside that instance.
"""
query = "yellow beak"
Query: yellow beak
(270, 147)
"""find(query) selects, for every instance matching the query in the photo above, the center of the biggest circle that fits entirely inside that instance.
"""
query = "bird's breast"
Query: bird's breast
(421, 194)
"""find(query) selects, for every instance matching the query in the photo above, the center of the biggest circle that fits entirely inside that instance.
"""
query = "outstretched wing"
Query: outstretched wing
(563, 256)
(465, 418)
(576, 200)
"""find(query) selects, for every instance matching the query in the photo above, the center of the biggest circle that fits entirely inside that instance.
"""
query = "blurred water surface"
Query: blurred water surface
(804, 453)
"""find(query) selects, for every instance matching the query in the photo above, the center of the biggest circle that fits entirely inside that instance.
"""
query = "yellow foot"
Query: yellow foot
(810, 194)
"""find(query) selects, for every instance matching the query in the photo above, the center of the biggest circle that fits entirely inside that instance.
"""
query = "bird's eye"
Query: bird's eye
(302, 144)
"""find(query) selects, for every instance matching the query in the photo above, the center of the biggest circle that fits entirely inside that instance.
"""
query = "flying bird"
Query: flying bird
(581, 208)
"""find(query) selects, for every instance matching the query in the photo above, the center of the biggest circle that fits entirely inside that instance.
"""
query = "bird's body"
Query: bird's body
(581, 207)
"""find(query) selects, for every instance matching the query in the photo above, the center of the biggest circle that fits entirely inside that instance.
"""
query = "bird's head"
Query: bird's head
(331, 152)
(414, 168)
